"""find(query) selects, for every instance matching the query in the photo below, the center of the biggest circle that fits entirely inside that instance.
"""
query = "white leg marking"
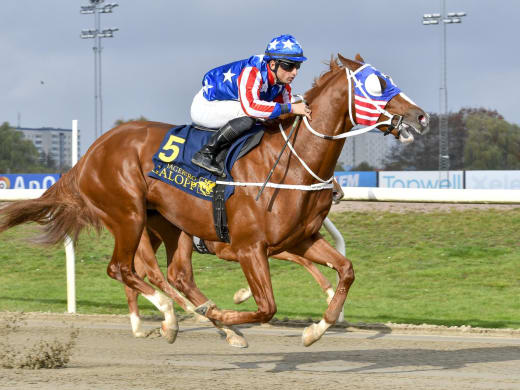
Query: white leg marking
(330, 295)
(137, 326)
(165, 305)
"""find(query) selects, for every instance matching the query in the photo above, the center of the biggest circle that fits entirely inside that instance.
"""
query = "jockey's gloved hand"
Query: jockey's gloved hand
(301, 109)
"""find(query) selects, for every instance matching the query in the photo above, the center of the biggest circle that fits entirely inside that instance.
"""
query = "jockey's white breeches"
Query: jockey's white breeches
(216, 113)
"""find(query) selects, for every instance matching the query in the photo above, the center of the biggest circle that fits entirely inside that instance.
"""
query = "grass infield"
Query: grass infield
(444, 268)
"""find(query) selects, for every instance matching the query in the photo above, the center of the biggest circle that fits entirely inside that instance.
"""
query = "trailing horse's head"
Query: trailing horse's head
(378, 102)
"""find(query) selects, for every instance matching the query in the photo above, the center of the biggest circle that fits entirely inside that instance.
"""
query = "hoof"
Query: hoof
(311, 334)
(234, 337)
(241, 295)
(237, 341)
(140, 335)
(170, 334)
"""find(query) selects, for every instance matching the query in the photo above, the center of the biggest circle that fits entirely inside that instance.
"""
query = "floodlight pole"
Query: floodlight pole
(444, 18)
(97, 9)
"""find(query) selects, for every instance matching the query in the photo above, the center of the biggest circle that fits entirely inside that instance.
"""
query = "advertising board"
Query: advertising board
(27, 180)
(491, 180)
(421, 179)
(356, 179)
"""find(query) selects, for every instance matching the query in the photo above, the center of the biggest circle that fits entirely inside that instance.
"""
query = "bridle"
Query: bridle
(393, 121)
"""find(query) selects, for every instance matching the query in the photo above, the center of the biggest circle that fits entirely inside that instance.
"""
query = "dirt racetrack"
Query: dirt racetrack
(108, 357)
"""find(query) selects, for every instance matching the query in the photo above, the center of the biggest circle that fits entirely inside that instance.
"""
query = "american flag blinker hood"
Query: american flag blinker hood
(370, 94)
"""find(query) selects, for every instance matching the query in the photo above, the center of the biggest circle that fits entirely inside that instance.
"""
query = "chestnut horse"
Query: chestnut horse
(109, 186)
(178, 243)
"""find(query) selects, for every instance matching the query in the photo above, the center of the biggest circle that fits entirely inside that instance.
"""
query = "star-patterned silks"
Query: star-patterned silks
(228, 75)
(288, 44)
(273, 45)
(206, 86)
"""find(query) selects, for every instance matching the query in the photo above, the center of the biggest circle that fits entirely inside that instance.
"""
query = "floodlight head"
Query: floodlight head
(426, 22)
(87, 9)
(456, 14)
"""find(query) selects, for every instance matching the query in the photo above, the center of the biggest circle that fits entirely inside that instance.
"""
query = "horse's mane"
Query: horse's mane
(333, 65)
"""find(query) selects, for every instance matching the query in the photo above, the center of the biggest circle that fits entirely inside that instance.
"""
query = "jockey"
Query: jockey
(233, 96)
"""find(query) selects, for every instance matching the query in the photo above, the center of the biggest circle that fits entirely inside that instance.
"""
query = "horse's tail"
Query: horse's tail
(60, 210)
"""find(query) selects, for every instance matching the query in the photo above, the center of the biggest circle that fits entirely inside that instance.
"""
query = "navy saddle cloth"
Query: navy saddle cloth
(172, 162)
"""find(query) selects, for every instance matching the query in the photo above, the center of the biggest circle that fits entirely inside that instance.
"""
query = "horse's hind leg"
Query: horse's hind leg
(318, 250)
(126, 223)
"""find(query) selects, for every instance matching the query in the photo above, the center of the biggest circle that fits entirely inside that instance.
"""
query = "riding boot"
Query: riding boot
(206, 157)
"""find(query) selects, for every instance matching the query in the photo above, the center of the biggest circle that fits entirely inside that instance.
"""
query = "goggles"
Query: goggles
(289, 66)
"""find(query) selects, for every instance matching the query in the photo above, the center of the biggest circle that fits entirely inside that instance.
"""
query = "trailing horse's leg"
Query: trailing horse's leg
(318, 250)
(255, 266)
(180, 274)
(145, 264)
(133, 308)
(127, 231)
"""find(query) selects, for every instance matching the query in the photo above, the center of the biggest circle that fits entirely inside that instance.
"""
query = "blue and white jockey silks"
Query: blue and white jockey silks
(369, 94)
(252, 83)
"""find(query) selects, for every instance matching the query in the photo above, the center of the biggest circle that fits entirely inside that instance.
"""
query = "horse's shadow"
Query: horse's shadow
(359, 361)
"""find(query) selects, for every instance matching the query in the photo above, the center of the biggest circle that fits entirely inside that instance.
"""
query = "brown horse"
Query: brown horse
(110, 186)
(179, 243)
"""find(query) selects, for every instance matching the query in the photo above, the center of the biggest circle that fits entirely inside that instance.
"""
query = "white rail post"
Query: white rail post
(340, 246)
(69, 245)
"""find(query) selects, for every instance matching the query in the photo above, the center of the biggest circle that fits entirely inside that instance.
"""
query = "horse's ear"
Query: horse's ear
(347, 63)
(359, 58)
(343, 60)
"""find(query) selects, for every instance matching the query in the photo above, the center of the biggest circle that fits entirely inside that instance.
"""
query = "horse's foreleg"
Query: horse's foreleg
(245, 293)
(318, 250)
(255, 266)
(311, 268)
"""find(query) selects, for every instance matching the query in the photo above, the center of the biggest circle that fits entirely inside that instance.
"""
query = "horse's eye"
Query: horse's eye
(373, 85)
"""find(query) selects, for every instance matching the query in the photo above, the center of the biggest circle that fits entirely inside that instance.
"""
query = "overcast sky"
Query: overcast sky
(155, 63)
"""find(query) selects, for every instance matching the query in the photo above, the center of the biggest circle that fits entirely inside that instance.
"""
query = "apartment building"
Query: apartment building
(56, 143)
